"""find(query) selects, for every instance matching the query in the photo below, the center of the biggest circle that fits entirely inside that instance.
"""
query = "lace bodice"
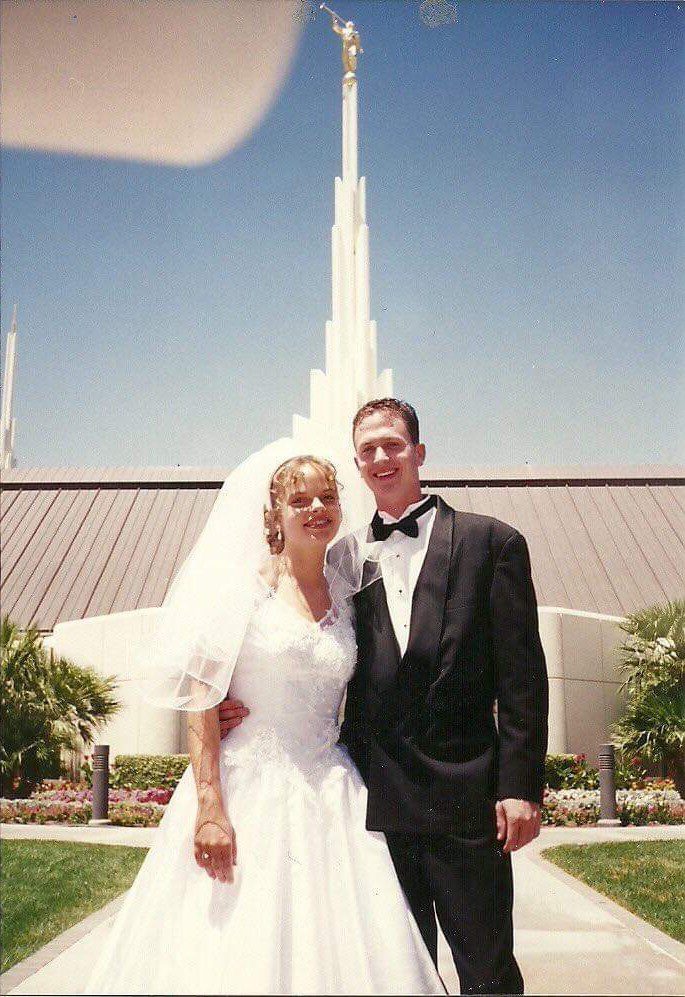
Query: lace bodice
(292, 674)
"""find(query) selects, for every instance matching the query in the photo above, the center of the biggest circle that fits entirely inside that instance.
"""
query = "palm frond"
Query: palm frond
(47, 704)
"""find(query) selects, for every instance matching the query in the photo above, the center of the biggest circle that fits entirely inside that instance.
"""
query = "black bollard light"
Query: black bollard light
(100, 785)
(607, 787)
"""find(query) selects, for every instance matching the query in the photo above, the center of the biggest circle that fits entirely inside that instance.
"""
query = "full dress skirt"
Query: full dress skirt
(316, 906)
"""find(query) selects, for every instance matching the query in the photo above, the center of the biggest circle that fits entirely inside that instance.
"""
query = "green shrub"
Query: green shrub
(165, 771)
(136, 814)
(148, 771)
(569, 772)
(48, 704)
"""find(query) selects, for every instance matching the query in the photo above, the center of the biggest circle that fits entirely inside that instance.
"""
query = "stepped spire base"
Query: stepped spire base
(8, 424)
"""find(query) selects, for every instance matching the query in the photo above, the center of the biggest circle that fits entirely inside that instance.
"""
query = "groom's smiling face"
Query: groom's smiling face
(388, 461)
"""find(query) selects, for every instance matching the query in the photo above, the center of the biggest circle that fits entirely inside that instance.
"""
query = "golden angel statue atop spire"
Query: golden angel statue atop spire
(351, 42)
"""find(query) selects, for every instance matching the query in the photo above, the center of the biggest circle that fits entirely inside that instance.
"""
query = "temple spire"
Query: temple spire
(351, 377)
(7, 420)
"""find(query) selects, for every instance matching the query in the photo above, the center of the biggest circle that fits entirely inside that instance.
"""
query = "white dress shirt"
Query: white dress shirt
(401, 563)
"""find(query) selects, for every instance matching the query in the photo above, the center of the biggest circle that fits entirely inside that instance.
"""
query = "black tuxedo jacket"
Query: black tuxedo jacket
(421, 727)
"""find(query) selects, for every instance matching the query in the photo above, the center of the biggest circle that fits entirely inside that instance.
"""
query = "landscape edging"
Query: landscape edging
(643, 929)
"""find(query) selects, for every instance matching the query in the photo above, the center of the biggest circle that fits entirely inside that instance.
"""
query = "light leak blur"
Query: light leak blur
(150, 80)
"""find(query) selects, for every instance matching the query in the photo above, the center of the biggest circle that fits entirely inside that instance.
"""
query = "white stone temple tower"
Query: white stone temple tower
(350, 378)
(7, 421)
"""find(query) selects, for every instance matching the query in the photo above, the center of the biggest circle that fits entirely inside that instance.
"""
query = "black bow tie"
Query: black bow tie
(407, 525)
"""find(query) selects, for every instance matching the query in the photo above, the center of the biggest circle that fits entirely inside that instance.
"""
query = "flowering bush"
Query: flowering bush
(74, 794)
(68, 804)
(653, 784)
(570, 807)
(136, 815)
(570, 772)
(653, 806)
(128, 813)
(573, 772)
(39, 812)
(630, 773)
(579, 807)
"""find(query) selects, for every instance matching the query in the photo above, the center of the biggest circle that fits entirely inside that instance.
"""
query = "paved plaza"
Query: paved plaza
(569, 939)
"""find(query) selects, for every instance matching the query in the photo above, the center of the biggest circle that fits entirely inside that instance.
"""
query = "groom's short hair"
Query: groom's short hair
(403, 409)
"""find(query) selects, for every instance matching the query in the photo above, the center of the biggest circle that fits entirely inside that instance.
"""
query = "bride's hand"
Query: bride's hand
(215, 846)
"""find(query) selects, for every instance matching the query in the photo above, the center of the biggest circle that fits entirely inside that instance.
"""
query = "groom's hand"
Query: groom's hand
(518, 822)
(231, 714)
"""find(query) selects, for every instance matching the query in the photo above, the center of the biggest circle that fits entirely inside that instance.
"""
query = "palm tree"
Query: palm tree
(652, 727)
(47, 705)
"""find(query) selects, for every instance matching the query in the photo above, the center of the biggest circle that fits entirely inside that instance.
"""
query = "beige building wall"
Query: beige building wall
(581, 662)
(584, 679)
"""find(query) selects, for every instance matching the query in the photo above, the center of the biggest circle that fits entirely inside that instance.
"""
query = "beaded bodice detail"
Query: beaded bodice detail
(291, 673)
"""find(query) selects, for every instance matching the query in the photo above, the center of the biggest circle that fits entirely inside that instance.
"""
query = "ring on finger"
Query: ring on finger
(205, 856)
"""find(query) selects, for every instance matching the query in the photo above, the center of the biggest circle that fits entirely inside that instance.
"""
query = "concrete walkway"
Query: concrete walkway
(569, 939)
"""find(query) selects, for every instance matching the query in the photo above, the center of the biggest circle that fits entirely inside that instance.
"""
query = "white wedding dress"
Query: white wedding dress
(316, 907)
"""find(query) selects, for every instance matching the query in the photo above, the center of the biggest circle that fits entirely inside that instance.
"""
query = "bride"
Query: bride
(262, 878)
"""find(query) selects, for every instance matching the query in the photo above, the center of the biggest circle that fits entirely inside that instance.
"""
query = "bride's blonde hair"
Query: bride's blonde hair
(284, 479)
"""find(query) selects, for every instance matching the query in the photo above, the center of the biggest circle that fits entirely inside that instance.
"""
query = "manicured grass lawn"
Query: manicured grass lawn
(646, 877)
(48, 886)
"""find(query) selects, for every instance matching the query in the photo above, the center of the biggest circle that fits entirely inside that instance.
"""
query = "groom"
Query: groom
(448, 632)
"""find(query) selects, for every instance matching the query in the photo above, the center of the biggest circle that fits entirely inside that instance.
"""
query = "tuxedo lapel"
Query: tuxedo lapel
(379, 634)
(387, 657)
(430, 593)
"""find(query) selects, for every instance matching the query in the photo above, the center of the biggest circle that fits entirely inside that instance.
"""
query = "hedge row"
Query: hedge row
(142, 771)
(165, 771)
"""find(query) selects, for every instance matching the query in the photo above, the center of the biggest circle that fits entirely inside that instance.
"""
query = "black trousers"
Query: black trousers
(468, 884)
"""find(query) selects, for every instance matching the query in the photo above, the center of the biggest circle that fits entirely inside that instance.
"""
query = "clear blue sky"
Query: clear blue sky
(525, 172)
